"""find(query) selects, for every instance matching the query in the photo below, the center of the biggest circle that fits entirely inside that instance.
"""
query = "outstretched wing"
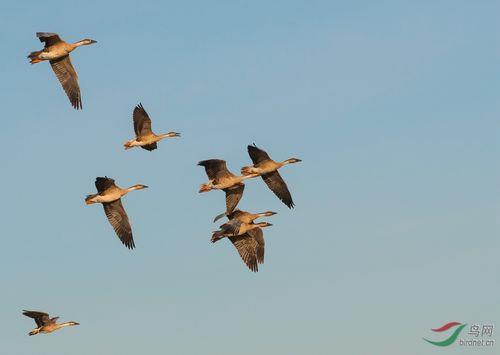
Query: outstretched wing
(103, 183)
(277, 185)
(246, 246)
(41, 318)
(215, 168)
(233, 196)
(258, 235)
(68, 78)
(142, 122)
(118, 219)
(257, 155)
(49, 38)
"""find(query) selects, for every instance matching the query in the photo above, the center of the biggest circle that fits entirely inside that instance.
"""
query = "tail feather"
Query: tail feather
(88, 199)
(34, 55)
(246, 170)
(204, 188)
(128, 145)
(217, 235)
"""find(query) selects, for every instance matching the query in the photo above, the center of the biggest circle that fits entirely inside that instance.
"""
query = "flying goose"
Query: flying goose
(244, 216)
(145, 138)
(110, 196)
(220, 178)
(45, 324)
(268, 170)
(247, 237)
(57, 52)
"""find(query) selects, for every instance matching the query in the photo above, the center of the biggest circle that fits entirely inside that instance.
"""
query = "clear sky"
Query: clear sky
(393, 107)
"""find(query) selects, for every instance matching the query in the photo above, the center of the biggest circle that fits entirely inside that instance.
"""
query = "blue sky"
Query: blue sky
(393, 107)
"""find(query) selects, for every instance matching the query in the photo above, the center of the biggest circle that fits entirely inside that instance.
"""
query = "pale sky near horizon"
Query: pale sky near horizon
(392, 106)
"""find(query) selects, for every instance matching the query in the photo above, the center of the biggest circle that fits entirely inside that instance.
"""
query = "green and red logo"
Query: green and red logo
(451, 338)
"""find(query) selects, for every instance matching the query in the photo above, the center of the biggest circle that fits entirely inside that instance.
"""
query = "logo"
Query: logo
(451, 339)
(481, 335)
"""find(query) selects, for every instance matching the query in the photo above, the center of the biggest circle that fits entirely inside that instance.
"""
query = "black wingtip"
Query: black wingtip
(130, 245)
(139, 107)
(77, 106)
(219, 216)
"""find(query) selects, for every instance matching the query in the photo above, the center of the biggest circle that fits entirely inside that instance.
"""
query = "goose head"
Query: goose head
(172, 134)
(292, 160)
(136, 187)
(263, 224)
(87, 41)
(140, 187)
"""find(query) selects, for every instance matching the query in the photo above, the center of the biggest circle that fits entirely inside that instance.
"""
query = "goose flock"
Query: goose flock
(241, 227)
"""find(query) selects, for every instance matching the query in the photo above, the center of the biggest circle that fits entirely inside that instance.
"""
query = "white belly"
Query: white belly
(52, 55)
(106, 198)
(226, 185)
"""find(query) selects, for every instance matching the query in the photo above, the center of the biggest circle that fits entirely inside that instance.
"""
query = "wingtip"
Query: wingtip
(219, 216)
(77, 105)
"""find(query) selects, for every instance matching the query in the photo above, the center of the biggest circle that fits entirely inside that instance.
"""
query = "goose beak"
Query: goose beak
(92, 41)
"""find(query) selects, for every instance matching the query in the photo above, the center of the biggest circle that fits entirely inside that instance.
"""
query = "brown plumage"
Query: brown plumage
(145, 138)
(66, 74)
(247, 237)
(250, 246)
(57, 51)
(118, 219)
(44, 323)
(247, 217)
(233, 196)
(220, 178)
(268, 170)
(110, 196)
